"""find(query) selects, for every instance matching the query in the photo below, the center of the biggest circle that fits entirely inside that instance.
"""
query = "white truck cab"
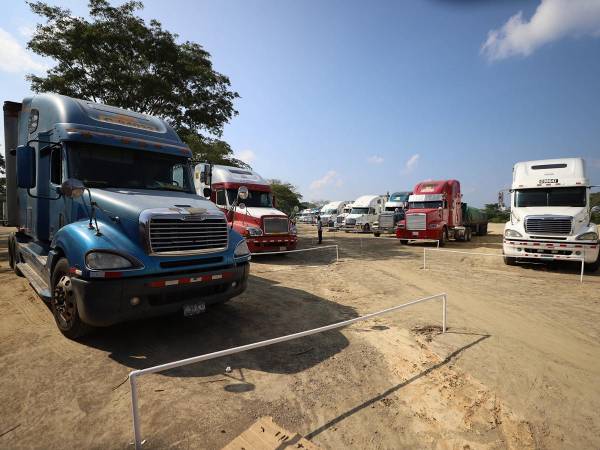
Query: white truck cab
(550, 216)
(331, 211)
(364, 213)
(341, 218)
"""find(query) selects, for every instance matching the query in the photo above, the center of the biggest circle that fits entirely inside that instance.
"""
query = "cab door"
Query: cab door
(59, 207)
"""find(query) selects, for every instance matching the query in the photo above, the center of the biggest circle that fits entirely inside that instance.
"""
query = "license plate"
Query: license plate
(192, 310)
(282, 249)
(415, 233)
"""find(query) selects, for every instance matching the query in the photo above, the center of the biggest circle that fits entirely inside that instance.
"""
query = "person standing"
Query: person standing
(319, 229)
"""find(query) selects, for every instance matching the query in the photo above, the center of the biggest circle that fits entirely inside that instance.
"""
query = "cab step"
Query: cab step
(36, 282)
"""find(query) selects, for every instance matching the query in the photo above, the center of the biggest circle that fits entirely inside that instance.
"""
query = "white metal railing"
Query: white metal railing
(337, 251)
(133, 376)
(533, 258)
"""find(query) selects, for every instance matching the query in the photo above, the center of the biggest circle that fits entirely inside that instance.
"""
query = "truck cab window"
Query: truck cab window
(105, 166)
(56, 166)
(221, 201)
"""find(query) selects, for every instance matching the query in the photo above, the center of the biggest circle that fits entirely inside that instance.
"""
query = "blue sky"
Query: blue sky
(347, 98)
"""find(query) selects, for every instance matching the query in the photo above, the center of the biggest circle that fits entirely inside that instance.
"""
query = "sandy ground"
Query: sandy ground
(518, 368)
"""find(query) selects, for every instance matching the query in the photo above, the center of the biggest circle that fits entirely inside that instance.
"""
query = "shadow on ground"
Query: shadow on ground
(265, 311)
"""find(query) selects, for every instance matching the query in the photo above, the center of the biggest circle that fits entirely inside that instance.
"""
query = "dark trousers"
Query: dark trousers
(320, 232)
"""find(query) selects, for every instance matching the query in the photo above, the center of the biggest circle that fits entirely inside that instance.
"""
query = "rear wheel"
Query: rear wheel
(13, 256)
(468, 234)
(63, 303)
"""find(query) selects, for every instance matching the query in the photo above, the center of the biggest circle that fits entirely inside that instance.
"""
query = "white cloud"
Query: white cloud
(248, 156)
(552, 20)
(330, 178)
(14, 58)
(26, 31)
(375, 159)
(411, 163)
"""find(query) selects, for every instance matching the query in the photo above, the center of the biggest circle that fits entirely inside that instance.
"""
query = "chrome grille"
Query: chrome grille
(276, 225)
(386, 221)
(351, 222)
(416, 222)
(189, 235)
(548, 224)
(339, 219)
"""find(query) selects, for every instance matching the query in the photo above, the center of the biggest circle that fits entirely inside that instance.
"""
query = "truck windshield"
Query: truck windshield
(567, 196)
(104, 166)
(329, 211)
(256, 199)
(425, 205)
(360, 211)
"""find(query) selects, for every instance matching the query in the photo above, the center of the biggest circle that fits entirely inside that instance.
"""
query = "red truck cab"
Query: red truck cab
(265, 228)
(434, 212)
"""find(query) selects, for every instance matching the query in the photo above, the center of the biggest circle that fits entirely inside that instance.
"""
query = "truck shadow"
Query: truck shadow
(265, 311)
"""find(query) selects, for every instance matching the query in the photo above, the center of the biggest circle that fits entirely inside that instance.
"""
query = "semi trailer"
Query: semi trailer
(257, 218)
(393, 213)
(436, 212)
(109, 227)
(550, 214)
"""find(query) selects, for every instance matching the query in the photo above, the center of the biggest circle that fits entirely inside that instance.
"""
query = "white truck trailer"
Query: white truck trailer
(331, 211)
(550, 214)
(364, 213)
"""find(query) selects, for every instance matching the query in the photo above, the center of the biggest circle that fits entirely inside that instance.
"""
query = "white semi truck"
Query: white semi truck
(364, 213)
(330, 211)
(550, 214)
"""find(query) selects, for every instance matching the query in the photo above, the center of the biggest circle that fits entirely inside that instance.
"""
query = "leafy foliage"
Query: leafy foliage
(286, 195)
(215, 151)
(495, 214)
(115, 57)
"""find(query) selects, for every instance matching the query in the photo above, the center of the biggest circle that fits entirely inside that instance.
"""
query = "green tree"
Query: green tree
(215, 151)
(495, 214)
(286, 195)
(115, 57)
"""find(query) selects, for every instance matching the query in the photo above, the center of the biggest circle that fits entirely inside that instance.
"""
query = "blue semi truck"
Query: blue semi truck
(109, 227)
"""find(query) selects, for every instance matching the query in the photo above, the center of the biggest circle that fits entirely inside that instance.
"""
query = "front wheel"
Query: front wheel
(593, 266)
(404, 241)
(443, 237)
(366, 227)
(64, 304)
(376, 234)
(510, 261)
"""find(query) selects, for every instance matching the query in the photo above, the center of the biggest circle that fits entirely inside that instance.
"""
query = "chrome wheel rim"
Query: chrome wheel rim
(64, 302)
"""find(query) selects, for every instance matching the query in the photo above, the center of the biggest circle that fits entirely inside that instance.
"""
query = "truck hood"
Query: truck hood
(128, 204)
(258, 212)
(432, 213)
(580, 215)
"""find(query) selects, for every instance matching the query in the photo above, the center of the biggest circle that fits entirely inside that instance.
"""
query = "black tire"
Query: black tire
(592, 267)
(366, 228)
(468, 234)
(376, 234)
(64, 305)
(510, 261)
(443, 237)
(13, 256)
(403, 241)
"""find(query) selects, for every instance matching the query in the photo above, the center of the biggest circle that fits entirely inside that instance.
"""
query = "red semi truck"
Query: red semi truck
(255, 217)
(436, 212)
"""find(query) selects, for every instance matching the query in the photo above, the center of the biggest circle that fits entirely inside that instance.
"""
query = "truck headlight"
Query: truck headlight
(512, 233)
(107, 261)
(241, 249)
(254, 231)
(589, 236)
(401, 226)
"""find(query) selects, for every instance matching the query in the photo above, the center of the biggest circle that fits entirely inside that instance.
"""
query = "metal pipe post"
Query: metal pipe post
(444, 313)
(423, 258)
(137, 432)
(582, 267)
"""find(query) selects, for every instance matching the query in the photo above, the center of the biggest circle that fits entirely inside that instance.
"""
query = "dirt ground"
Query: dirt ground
(518, 367)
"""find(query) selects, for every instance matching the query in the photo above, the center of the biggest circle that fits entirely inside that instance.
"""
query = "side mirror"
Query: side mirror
(295, 209)
(72, 188)
(206, 192)
(274, 202)
(501, 200)
(25, 167)
(595, 209)
(242, 192)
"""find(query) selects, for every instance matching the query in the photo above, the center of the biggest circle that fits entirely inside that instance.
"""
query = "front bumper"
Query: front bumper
(272, 243)
(433, 234)
(559, 250)
(106, 302)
